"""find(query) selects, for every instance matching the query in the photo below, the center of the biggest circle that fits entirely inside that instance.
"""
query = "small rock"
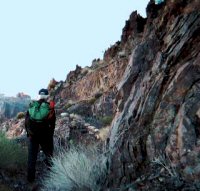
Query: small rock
(71, 115)
(91, 127)
(86, 124)
(64, 114)
(91, 133)
(73, 123)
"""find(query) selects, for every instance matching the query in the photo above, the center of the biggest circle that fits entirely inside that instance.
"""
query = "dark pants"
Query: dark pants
(46, 143)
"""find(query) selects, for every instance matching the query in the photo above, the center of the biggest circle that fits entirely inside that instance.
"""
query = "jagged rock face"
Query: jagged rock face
(103, 75)
(159, 97)
(99, 80)
(134, 26)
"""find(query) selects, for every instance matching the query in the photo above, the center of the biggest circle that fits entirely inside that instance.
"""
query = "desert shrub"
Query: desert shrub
(106, 120)
(12, 155)
(80, 168)
(20, 115)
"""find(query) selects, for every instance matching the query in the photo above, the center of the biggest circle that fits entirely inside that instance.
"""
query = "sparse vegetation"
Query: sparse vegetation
(80, 168)
(166, 164)
(13, 156)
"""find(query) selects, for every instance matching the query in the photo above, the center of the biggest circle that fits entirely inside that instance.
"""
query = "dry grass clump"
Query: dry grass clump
(80, 168)
(103, 133)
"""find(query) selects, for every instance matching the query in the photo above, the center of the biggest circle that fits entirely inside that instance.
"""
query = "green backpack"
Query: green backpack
(38, 111)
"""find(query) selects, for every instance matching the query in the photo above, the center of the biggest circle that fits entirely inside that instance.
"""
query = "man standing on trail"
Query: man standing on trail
(40, 124)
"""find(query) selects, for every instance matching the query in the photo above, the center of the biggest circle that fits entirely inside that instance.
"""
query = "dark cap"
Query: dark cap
(43, 92)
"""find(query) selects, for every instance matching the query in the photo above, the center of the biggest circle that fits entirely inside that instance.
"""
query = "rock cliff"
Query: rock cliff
(151, 80)
(158, 100)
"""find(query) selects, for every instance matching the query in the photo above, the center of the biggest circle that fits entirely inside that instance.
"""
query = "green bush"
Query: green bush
(80, 168)
(20, 115)
(92, 101)
(12, 155)
(106, 120)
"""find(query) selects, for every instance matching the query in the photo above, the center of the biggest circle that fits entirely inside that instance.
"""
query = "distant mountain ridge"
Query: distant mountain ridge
(10, 106)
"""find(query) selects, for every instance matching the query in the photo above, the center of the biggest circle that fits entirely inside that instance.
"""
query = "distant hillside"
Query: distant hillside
(10, 106)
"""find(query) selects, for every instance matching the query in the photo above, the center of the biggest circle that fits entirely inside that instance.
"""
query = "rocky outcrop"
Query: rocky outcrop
(93, 81)
(158, 100)
(150, 82)
(92, 84)
(102, 77)
(133, 27)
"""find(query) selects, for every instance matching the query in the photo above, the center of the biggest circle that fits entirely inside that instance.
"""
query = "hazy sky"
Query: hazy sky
(42, 39)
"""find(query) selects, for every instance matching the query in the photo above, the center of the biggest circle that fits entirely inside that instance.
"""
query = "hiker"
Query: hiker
(40, 124)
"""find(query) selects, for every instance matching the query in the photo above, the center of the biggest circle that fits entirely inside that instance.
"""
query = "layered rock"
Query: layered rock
(150, 81)
(159, 99)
